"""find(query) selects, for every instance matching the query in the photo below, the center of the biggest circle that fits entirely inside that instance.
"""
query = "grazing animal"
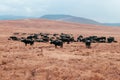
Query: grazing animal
(45, 38)
(13, 38)
(101, 39)
(110, 40)
(67, 38)
(55, 35)
(35, 36)
(79, 39)
(28, 41)
(93, 39)
(57, 43)
(88, 43)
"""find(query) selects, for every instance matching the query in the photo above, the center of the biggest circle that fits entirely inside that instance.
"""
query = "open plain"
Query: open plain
(43, 61)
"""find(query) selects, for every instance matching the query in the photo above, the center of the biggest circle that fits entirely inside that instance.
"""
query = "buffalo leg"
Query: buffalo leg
(55, 46)
(25, 44)
(61, 46)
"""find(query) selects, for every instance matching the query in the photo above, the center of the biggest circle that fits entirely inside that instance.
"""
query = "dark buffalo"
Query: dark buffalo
(101, 39)
(79, 39)
(45, 38)
(29, 37)
(55, 35)
(111, 39)
(32, 37)
(93, 39)
(28, 41)
(13, 38)
(57, 43)
(67, 38)
(88, 43)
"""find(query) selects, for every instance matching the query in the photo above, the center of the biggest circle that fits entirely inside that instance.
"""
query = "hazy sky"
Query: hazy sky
(99, 10)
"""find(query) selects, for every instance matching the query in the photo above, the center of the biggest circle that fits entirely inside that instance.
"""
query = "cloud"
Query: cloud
(24, 7)
(100, 10)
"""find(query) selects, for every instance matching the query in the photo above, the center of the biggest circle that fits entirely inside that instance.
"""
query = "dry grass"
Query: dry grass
(72, 62)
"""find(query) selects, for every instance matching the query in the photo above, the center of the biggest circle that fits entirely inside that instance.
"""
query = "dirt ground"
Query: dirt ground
(43, 61)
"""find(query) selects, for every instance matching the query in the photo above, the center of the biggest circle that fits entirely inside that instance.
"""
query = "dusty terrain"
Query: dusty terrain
(72, 62)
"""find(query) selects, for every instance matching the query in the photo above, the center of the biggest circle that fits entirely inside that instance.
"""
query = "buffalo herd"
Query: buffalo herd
(59, 39)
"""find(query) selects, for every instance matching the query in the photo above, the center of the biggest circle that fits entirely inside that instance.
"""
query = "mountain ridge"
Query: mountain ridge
(60, 17)
(69, 18)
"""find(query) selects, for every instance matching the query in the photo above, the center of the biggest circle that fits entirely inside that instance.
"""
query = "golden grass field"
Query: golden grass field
(72, 62)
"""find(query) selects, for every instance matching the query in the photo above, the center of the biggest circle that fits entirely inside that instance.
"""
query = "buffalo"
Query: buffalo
(111, 39)
(13, 38)
(28, 41)
(88, 43)
(79, 39)
(67, 38)
(57, 43)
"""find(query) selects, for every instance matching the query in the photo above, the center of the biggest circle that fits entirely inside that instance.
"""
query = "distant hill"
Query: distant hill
(69, 18)
(65, 18)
